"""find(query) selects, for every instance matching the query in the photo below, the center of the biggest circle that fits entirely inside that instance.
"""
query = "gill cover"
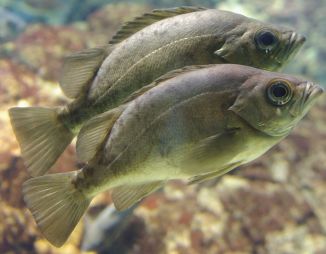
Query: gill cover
(264, 106)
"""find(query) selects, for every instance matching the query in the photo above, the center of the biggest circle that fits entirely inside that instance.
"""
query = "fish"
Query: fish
(100, 79)
(195, 124)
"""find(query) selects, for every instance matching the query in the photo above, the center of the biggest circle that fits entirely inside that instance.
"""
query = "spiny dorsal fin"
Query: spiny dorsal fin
(80, 68)
(147, 19)
(166, 76)
(94, 132)
(125, 196)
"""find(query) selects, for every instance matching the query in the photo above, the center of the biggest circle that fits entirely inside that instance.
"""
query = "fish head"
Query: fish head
(260, 45)
(274, 103)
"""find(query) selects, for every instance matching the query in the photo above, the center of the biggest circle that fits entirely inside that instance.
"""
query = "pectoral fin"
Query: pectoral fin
(80, 68)
(94, 132)
(147, 19)
(202, 178)
(209, 147)
(125, 196)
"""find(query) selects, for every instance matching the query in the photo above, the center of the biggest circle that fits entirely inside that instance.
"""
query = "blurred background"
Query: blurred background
(274, 205)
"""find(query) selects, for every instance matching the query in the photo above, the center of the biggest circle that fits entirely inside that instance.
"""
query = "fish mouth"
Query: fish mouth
(311, 93)
(295, 42)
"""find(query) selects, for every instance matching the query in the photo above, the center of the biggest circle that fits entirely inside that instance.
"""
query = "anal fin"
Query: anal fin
(125, 196)
(80, 68)
(94, 132)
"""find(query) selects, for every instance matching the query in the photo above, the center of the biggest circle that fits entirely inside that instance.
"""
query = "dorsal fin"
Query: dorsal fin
(166, 76)
(139, 92)
(147, 19)
(174, 73)
(80, 68)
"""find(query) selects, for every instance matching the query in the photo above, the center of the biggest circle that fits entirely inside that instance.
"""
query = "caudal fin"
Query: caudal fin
(41, 136)
(56, 205)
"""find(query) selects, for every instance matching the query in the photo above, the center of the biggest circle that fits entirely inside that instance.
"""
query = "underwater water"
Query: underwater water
(276, 204)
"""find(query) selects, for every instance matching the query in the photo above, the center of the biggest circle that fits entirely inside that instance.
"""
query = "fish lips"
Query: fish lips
(309, 93)
(312, 92)
(295, 43)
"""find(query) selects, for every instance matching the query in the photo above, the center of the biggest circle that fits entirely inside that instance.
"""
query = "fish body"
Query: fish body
(143, 50)
(156, 133)
(162, 134)
(195, 124)
(195, 38)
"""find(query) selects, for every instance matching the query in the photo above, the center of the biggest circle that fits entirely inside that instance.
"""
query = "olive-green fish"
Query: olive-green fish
(143, 50)
(196, 123)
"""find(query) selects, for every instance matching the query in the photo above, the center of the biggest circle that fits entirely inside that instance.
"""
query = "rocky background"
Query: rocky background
(275, 205)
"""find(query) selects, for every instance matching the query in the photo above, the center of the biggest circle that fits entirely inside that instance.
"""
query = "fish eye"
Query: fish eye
(266, 40)
(279, 92)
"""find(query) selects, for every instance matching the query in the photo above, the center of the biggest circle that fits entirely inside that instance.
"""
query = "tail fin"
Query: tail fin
(41, 136)
(56, 205)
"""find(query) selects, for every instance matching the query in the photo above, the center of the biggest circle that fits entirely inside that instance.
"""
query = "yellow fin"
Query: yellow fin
(41, 136)
(147, 19)
(125, 196)
(56, 205)
(94, 132)
(80, 68)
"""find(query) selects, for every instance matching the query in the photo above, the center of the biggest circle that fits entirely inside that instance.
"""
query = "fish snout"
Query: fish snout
(296, 41)
(317, 90)
(299, 39)
(312, 91)
(293, 43)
